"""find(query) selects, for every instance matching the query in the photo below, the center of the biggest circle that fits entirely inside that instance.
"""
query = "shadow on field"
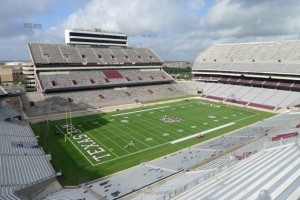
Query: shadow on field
(54, 105)
(65, 157)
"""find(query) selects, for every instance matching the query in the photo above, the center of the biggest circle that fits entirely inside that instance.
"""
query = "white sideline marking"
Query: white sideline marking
(140, 111)
(130, 154)
(76, 146)
(204, 132)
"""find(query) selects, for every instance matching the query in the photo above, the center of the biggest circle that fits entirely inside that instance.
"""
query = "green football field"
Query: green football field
(98, 145)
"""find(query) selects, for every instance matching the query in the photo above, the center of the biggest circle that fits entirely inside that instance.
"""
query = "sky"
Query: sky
(178, 30)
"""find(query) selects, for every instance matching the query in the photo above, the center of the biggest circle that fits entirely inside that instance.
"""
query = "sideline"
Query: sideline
(204, 132)
(140, 111)
(75, 146)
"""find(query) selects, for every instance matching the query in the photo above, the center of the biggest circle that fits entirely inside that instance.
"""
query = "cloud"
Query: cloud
(132, 17)
(195, 4)
(14, 48)
(253, 18)
(13, 36)
(167, 21)
(180, 29)
(14, 13)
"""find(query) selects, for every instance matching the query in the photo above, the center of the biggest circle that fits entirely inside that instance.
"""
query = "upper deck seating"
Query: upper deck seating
(86, 55)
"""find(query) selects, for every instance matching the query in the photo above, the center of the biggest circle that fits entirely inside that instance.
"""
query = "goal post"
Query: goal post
(68, 123)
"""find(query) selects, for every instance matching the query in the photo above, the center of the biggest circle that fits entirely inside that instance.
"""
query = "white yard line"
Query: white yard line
(203, 132)
(75, 146)
(172, 142)
(140, 111)
(126, 134)
(105, 136)
(130, 154)
(210, 130)
(91, 135)
(247, 118)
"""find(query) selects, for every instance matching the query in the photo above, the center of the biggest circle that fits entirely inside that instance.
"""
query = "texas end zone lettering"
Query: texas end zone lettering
(91, 147)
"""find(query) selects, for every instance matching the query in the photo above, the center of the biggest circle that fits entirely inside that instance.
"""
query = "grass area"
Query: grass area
(106, 143)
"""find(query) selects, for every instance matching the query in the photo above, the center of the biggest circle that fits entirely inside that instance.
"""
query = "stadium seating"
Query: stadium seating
(111, 74)
(247, 52)
(7, 113)
(249, 81)
(253, 70)
(22, 161)
(262, 75)
(82, 55)
(20, 146)
(55, 81)
(266, 168)
(89, 55)
(53, 54)
(257, 97)
(80, 193)
(190, 87)
(22, 170)
(251, 96)
(7, 192)
(3, 92)
(93, 99)
(245, 74)
(120, 56)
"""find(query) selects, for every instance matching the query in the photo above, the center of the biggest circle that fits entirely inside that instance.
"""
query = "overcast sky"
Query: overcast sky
(179, 29)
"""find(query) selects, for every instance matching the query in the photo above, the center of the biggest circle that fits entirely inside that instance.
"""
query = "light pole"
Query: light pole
(30, 26)
(146, 36)
(38, 27)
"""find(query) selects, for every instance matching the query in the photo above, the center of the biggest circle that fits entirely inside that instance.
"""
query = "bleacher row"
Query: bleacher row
(22, 161)
(23, 170)
(2, 91)
(172, 167)
(251, 96)
(94, 99)
(276, 83)
(7, 113)
(19, 146)
(98, 78)
(276, 51)
(190, 87)
(251, 68)
(265, 175)
(79, 55)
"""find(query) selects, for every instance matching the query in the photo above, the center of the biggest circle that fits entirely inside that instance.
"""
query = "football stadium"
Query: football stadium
(105, 121)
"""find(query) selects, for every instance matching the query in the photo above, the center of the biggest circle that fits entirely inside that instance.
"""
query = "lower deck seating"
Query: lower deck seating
(7, 113)
(2, 91)
(22, 161)
(94, 99)
(251, 96)
(55, 81)
(274, 83)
